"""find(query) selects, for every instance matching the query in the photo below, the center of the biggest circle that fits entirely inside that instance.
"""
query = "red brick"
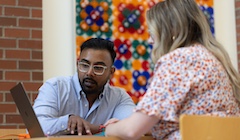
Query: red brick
(8, 126)
(238, 38)
(34, 44)
(7, 2)
(8, 64)
(237, 4)
(237, 12)
(12, 11)
(1, 53)
(37, 76)
(19, 54)
(1, 118)
(8, 108)
(37, 13)
(30, 65)
(8, 97)
(32, 23)
(1, 75)
(238, 21)
(10, 43)
(17, 75)
(1, 97)
(18, 33)
(37, 55)
(30, 3)
(5, 21)
(238, 29)
(6, 86)
(1, 13)
(14, 119)
(30, 86)
(37, 34)
(1, 31)
(22, 127)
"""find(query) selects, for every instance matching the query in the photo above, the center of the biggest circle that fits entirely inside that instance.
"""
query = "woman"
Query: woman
(193, 74)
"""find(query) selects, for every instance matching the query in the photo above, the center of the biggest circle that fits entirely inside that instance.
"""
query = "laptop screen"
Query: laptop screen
(26, 111)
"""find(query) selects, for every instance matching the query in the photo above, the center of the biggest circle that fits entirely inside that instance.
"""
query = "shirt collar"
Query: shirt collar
(82, 94)
(76, 84)
(100, 96)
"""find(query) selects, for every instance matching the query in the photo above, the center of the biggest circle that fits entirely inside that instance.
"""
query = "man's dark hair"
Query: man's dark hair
(100, 44)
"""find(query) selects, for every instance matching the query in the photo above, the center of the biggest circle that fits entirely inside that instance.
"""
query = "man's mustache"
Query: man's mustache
(89, 79)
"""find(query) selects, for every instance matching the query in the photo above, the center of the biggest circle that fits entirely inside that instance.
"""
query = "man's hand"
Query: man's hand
(82, 126)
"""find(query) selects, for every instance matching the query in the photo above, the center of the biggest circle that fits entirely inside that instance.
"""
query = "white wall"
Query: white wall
(59, 34)
(225, 27)
(58, 38)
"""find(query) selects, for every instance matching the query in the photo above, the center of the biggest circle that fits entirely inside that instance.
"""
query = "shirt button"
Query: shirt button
(85, 105)
(62, 126)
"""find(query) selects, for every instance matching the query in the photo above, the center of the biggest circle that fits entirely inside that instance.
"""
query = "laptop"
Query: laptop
(27, 113)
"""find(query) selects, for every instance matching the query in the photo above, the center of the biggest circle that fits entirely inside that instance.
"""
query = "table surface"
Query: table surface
(9, 134)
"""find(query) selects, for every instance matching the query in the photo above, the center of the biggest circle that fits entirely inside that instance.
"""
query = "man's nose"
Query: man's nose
(90, 71)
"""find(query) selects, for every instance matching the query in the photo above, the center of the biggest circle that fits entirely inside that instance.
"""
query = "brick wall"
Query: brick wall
(20, 54)
(237, 7)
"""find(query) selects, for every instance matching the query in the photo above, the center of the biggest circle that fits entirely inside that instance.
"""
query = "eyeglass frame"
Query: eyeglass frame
(91, 67)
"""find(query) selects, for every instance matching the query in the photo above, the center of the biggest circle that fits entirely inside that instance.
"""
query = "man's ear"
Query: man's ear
(112, 71)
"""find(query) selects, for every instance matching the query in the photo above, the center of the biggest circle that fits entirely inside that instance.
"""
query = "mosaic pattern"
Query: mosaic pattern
(93, 18)
(123, 22)
(129, 20)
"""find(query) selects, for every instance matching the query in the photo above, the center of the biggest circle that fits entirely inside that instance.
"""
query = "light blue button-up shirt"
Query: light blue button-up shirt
(61, 96)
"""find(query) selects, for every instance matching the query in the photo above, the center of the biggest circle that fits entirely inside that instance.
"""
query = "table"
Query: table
(86, 138)
(10, 134)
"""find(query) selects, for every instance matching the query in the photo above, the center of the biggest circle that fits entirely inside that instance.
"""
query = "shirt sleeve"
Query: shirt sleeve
(125, 106)
(171, 82)
(46, 109)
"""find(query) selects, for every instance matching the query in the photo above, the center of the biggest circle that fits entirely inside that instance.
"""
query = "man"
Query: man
(85, 100)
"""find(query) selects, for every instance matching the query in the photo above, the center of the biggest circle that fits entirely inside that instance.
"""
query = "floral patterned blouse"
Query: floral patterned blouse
(188, 80)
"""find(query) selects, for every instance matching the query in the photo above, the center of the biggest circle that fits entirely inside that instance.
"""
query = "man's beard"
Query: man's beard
(87, 88)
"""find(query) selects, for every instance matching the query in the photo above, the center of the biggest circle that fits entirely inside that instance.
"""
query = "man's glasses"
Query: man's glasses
(97, 69)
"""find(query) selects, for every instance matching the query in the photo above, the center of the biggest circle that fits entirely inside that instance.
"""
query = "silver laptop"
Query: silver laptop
(27, 113)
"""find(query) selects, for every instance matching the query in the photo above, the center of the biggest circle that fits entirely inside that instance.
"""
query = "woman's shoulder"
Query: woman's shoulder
(187, 52)
(190, 50)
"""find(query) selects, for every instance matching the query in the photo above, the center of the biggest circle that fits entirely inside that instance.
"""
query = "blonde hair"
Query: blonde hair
(179, 23)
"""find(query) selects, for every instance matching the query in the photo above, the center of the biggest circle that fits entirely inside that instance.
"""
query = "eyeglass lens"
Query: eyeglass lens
(97, 69)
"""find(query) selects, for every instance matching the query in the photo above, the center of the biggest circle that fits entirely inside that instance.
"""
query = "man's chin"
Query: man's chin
(88, 90)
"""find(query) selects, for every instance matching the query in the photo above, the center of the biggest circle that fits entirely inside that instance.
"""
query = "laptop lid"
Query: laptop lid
(28, 115)
(26, 111)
